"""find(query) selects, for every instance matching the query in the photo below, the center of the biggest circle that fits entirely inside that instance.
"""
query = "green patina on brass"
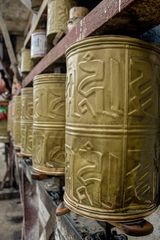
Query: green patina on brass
(112, 128)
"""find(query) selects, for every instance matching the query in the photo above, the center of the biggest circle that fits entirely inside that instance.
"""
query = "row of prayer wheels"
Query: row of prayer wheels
(60, 15)
(100, 126)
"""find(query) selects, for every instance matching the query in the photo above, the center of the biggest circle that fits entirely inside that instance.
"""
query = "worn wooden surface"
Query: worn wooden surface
(127, 17)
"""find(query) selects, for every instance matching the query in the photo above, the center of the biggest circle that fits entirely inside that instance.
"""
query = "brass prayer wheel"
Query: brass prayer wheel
(112, 128)
(58, 15)
(9, 123)
(26, 121)
(17, 122)
(38, 44)
(26, 61)
(49, 123)
(12, 116)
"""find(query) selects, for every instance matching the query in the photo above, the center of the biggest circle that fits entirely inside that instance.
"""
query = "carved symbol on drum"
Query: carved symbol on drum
(90, 176)
(139, 179)
(48, 104)
(29, 143)
(91, 84)
(56, 157)
(141, 89)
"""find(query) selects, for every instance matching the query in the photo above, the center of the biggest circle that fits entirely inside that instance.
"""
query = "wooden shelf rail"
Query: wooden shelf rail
(94, 20)
(106, 17)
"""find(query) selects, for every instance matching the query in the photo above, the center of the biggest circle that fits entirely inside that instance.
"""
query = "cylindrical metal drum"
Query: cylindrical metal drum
(9, 123)
(76, 14)
(26, 62)
(17, 121)
(38, 44)
(112, 128)
(26, 121)
(58, 15)
(49, 123)
(12, 115)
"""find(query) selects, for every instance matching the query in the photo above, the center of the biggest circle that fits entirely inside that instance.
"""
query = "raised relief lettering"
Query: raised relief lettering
(56, 155)
(69, 161)
(47, 152)
(91, 85)
(116, 87)
(70, 90)
(141, 89)
(138, 179)
(89, 81)
(48, 104)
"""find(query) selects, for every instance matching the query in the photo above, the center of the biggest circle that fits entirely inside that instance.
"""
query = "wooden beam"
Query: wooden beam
(33, 27)
(108, 17)
(8, 44)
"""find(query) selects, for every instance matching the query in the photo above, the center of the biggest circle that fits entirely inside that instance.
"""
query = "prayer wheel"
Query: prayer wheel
(58, 15)
(17, 122)
(112, 128)
(12, 116)
(49, 123)
(26, 62)
(76, 14)
(38, 44)
(26, 121)
(9, 116)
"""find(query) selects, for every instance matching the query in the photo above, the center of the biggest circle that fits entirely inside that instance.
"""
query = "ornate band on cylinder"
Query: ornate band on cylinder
(112, 128)
(58, 15)
(48, 123)
(17, 121)
(26, 121)
(26, 62)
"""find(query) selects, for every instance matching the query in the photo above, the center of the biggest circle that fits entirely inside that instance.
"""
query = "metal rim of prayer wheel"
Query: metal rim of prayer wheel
(49, 123)
(112, 120)
(17, 122)
(26, 121)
